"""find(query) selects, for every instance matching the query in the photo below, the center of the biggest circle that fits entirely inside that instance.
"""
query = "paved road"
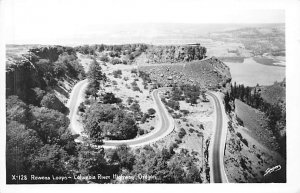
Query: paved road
(219, 139)
(76, 97)
(163, 128)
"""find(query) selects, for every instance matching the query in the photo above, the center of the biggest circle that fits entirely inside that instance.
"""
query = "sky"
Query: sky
(58, 21)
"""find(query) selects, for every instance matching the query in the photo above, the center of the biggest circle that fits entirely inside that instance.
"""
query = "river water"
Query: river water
(251, 73)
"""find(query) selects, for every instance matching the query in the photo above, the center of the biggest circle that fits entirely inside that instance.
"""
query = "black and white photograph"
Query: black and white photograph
(149, 92)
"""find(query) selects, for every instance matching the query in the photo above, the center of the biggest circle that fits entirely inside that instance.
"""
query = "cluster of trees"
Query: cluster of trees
(38, 142)
(107, 121)
(43, 69)
(56, 62)
(171, 103)
(160, 166)
(274, 112)
(189, 93)
(165, 166)
(129, 51)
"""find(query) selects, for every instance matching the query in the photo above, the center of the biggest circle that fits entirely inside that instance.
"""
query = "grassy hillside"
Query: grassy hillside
(256, 123)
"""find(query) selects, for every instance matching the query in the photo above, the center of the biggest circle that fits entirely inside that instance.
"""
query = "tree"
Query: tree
(96, 78)
(123, 157)
(21, 143)
(227, 100)
(50, 160)
(95, 72)
(135, 107)
(50, 101)
(193, 175)
(48, 123)
(110, 98)
(16, 109)
(91, 161)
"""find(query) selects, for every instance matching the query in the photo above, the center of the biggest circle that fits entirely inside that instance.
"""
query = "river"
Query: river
(251, 73)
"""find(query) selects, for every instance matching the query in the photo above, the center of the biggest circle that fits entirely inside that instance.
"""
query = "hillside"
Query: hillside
(274, 94)
(52, 69)
(209, 73)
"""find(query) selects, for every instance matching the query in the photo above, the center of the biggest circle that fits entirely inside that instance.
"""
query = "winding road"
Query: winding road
(218, 174)
(163, 128)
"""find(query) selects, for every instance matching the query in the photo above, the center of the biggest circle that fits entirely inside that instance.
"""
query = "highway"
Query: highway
(218, 174)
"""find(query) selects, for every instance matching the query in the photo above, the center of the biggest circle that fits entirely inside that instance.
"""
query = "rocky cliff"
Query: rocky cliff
(163, 54)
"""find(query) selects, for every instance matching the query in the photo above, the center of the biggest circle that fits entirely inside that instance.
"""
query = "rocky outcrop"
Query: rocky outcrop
(163, 54)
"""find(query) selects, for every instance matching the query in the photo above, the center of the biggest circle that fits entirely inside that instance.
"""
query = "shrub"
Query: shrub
(151, 111)
(135, 107)
(117, 73)
(87, 102)
(239, 135)
(185, 112)
(136, 88)
(144, 118)
(245, 141)
(242, 139)
(184, 119)
(110, 98)
(173, 104)
(201, 126)
(134, 71)
(151, 128)
(181, 133)
(240, 122)
(170, 110)
(116, 61)
(124, 61)
(178, 141)
(141, 131)
(133, 84)
(104, 59)
(114, 82)
(81, 107)
(177, 116)
(191, 130)
(129, 100)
